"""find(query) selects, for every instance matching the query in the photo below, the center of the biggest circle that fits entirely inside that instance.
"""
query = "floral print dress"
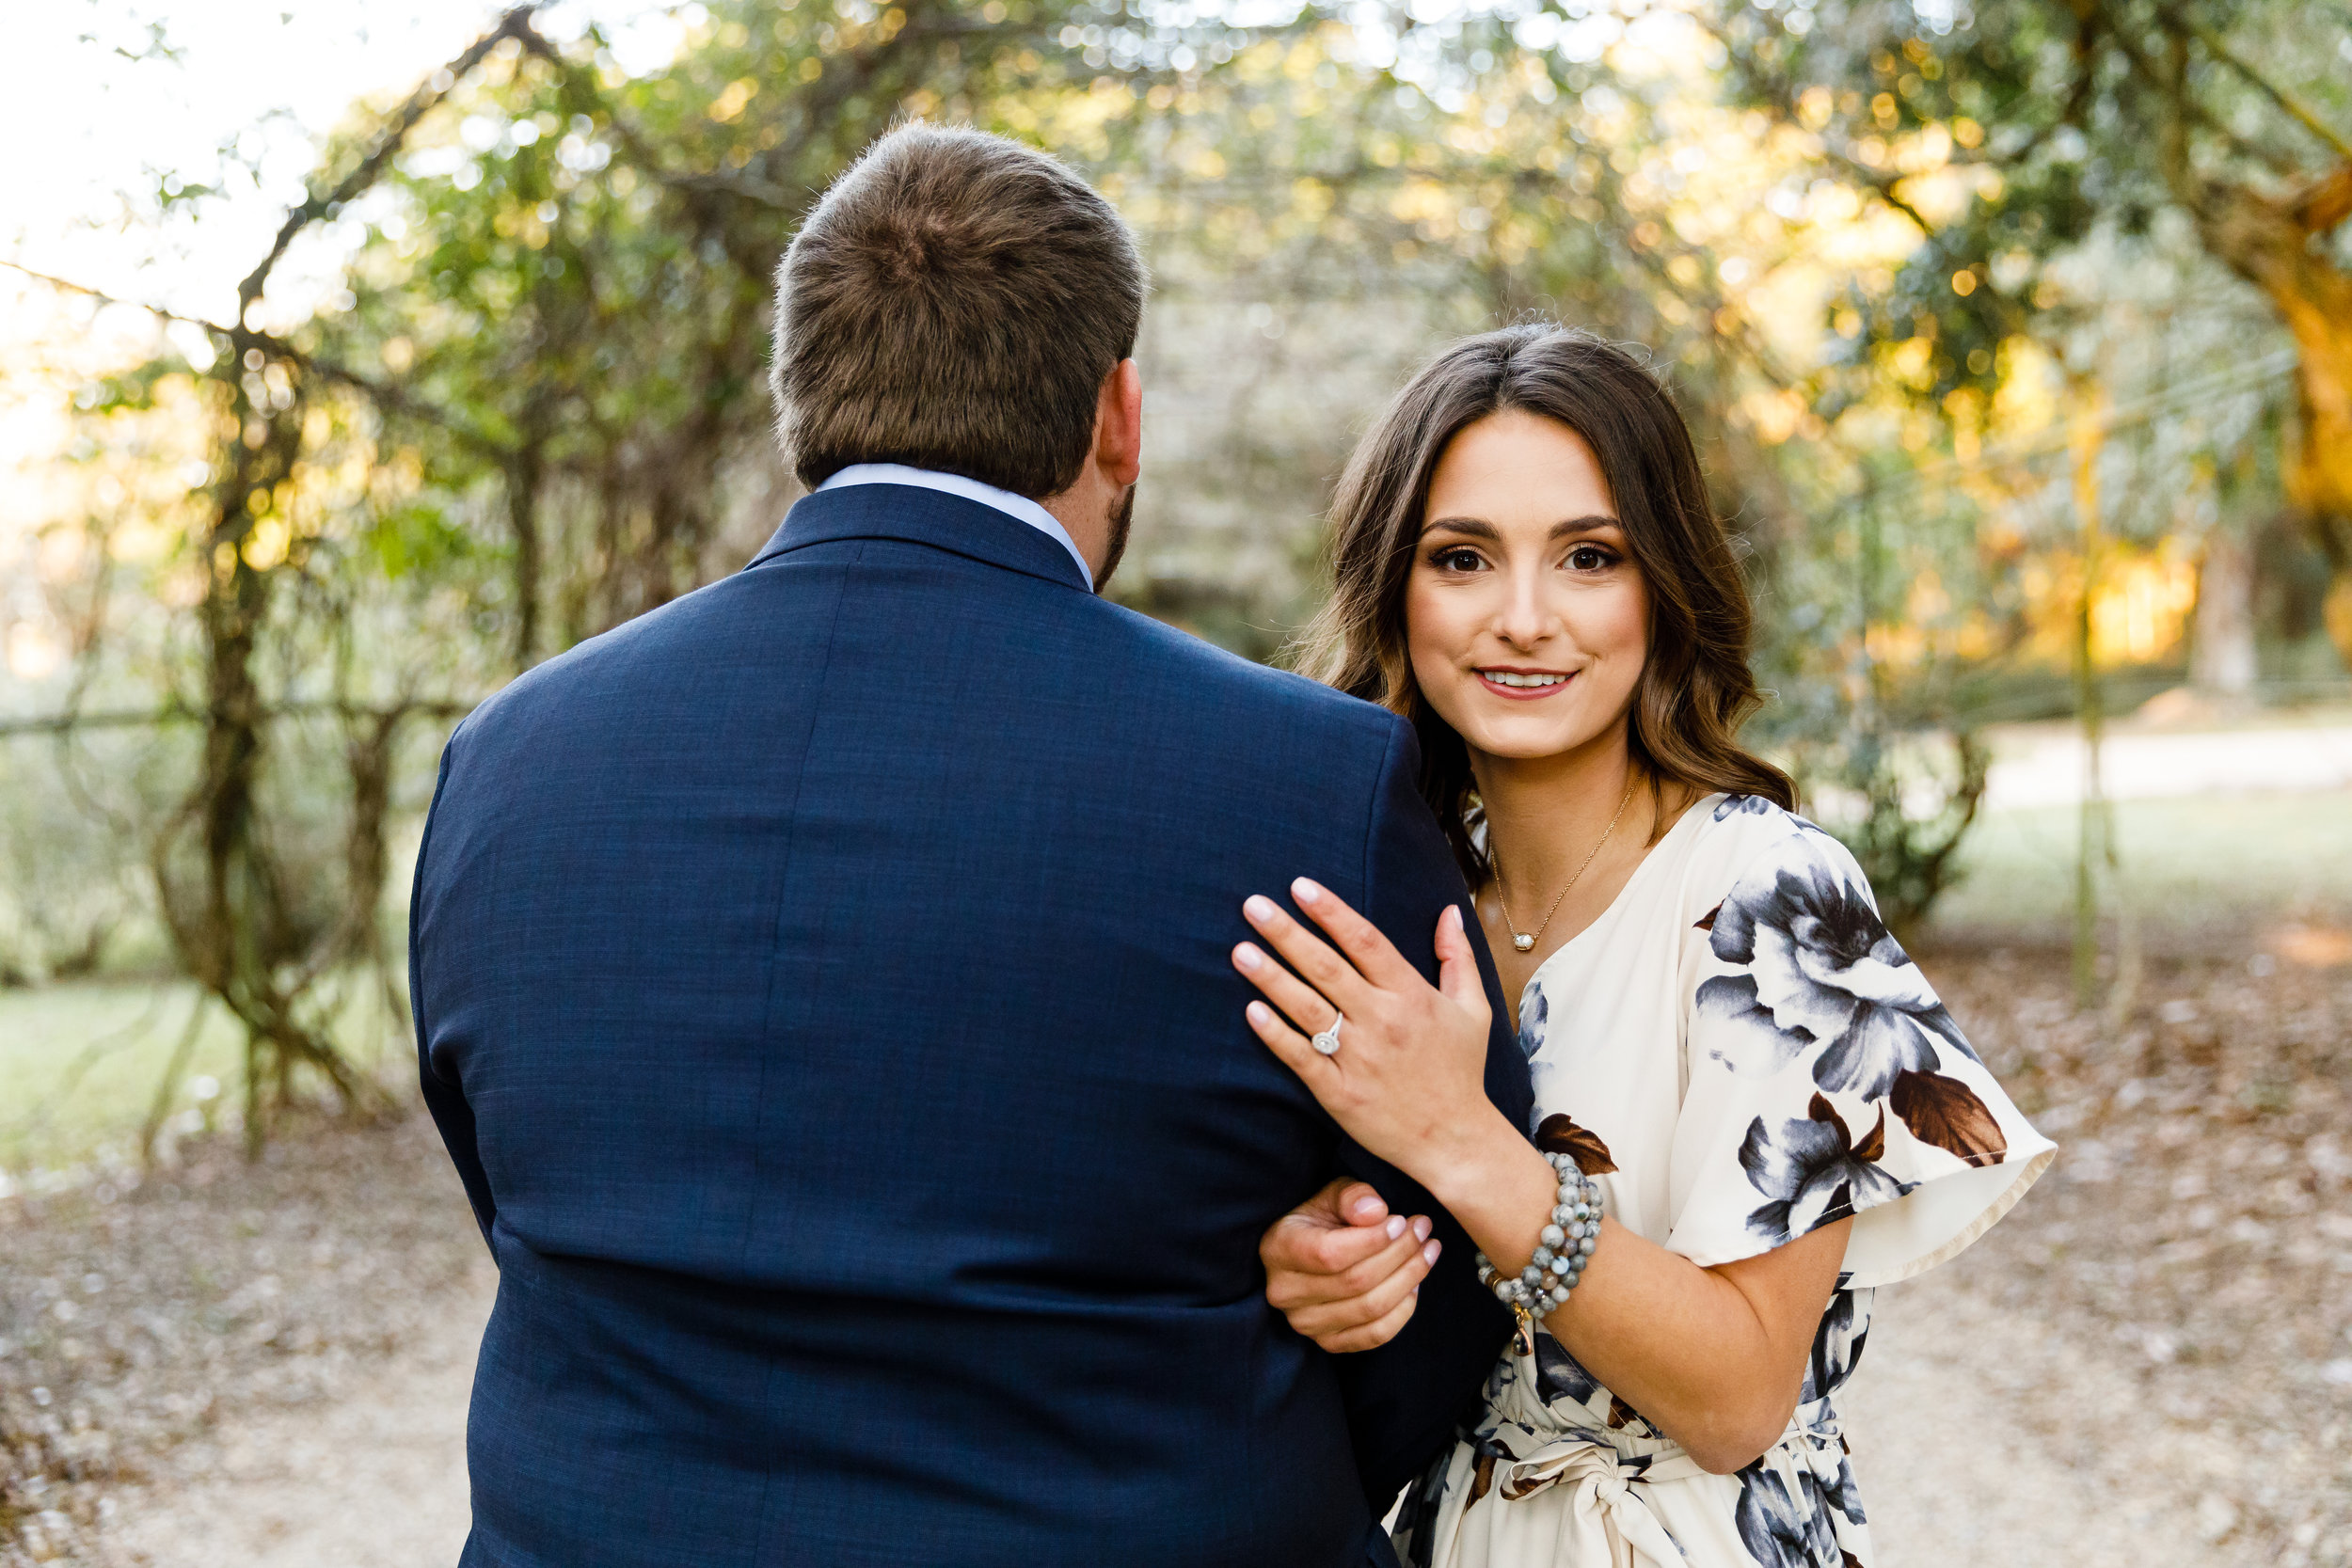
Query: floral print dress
(1738, 1053)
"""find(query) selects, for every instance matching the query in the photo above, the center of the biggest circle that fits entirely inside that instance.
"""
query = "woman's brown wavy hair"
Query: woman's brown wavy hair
(1696, 690)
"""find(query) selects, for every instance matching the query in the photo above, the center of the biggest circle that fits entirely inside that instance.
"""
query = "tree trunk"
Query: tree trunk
(2221, 646)
(2268, 241)
(522, 519)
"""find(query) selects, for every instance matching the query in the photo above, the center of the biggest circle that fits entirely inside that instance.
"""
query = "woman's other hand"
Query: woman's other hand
(1408, 1081)
(1343, 1270)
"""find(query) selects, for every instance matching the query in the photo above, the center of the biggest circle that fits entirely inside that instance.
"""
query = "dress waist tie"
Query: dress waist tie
(1578, 1498)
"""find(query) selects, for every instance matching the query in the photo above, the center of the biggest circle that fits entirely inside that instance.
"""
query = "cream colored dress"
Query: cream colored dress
(1738, 1053)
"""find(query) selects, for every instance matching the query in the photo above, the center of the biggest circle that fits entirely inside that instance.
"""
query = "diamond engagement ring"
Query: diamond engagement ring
(1329, 1041)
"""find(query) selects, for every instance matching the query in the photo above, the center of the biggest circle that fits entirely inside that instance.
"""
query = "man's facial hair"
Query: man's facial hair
(1122, 518)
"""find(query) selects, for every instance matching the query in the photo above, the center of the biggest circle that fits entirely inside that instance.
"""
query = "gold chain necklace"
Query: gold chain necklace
(1522, 941)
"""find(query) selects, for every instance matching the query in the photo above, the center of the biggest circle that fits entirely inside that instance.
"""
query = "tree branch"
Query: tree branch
(179, 713)
(515, 25)
(2220, 50)
(71, 286)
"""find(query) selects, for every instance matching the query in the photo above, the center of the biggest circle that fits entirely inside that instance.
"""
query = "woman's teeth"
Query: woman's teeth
(1504, 678)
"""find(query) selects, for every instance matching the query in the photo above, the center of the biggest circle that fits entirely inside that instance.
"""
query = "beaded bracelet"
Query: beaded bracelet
(1563, 1249)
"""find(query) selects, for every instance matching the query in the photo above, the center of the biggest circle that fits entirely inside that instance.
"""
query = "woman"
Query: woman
(1751, 1110)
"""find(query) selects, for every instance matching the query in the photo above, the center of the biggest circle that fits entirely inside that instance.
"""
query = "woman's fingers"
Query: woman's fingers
(1317, 1071)
(1409, 1252)
(1309, 955)
(1298, 1001)
(1457, 964)
(1323, 1320)
(1372, 1336)
(1363, 944)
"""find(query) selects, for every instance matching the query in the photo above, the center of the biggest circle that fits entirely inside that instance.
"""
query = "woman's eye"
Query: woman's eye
(1589, 557)
(1456, 561)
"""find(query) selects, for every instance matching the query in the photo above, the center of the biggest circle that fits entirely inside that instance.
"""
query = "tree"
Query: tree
(2052, 118)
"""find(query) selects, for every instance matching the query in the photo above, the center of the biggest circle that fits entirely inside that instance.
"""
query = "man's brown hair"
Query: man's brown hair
(953, 301)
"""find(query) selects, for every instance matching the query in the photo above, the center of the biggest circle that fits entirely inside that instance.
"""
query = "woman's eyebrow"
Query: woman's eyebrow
(1477, 528)
(1594, 523)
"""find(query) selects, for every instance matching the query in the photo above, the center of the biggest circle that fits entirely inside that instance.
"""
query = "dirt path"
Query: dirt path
(1959, 1463)
(375, 1479)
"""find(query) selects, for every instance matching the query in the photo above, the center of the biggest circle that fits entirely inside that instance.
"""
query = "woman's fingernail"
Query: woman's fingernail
(1396, 1227)
(1260, 1014)
(1454, 914)
(1259, 907)
(1421, 1227)
(1305, 891)
(1249, 957)
(1429, 1253)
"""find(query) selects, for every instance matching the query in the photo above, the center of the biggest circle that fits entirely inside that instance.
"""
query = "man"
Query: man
(821, 984)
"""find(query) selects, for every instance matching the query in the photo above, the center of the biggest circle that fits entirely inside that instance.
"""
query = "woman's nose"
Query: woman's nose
(1526, 619)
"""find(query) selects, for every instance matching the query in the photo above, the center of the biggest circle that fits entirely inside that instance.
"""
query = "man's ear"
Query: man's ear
(1118, 425)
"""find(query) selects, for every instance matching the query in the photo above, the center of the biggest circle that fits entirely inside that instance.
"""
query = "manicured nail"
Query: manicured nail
(1396, 1227)
(1453, 916)
(1421, 1227)
(1365, 1208)
(1305, 891)
(1429, 1253)
(1249, 957)
(1259, 907)
(1260, 1014)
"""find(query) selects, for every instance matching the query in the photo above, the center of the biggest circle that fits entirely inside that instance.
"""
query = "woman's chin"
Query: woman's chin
(1528, 738)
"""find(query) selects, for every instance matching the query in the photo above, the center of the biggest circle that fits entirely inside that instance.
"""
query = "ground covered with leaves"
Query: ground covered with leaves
(2149, 1362)
(2175, 1300)
(132, 1322)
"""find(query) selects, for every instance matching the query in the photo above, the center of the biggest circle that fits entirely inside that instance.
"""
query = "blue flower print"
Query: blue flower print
(1534, 1012)
(1814, 1172)
(1560, 1378)
(1784, 1531)
(1820, 970)
(1837, 1346)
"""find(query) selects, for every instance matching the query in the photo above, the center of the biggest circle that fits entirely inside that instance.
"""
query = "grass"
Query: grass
(80, 1062)
(2191, 867)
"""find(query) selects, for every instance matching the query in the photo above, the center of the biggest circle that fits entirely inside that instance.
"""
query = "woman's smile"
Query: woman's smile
(1524, 686)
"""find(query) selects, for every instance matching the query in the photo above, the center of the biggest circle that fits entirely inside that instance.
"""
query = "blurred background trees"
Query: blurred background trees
(2017, 336)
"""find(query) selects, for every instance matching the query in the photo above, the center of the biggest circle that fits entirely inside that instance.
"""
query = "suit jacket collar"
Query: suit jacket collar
(966, 528)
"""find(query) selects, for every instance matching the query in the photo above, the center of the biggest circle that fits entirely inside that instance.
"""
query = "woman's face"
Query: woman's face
(1526, 619)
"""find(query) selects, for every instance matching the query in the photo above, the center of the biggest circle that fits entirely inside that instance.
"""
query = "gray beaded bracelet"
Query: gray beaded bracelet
(1563, 1249)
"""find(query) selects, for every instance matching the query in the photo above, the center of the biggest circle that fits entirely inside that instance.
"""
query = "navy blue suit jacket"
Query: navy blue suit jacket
(822, 986)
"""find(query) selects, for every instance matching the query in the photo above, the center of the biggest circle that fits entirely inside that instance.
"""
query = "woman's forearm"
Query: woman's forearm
(1714, 1359)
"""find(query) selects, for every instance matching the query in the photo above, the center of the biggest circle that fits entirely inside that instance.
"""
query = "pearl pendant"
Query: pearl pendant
(1521, 943)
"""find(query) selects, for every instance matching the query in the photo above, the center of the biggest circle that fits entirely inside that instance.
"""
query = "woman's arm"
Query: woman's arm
(1712, 1357)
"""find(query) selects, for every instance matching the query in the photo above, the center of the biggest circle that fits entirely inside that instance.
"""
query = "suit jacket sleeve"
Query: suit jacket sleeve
(444, 1095)
(1404, 1398)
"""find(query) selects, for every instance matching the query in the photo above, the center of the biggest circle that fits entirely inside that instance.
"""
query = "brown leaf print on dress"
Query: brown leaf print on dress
(1946, 1113)
(1559, 1135)
(1621, 1413)
(1873, 1145)
(1482, 1477)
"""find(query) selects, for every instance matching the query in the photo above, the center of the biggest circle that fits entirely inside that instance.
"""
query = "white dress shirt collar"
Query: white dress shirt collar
(1005, 501)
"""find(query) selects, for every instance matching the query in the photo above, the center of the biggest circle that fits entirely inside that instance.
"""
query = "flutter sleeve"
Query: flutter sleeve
(1824, 1078)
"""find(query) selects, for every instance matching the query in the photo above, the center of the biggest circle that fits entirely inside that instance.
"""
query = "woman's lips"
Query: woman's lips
(1560, 681)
